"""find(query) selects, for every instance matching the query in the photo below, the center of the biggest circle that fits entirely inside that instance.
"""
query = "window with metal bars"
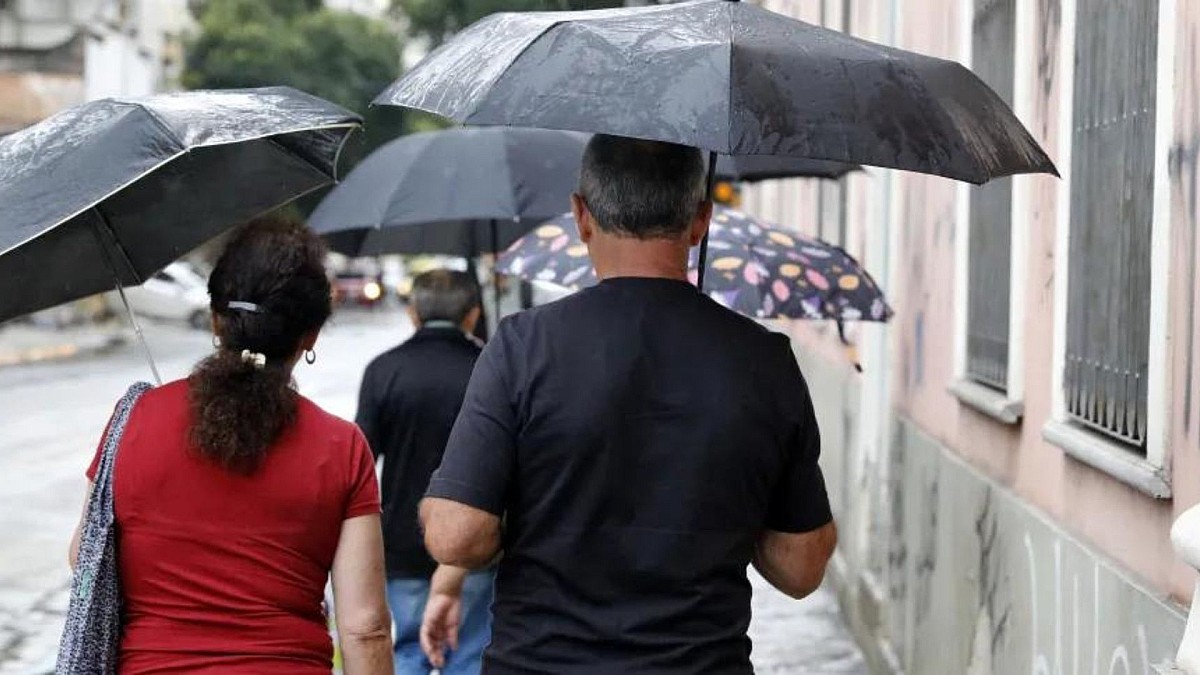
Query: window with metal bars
(989, 248)
(1112, 184)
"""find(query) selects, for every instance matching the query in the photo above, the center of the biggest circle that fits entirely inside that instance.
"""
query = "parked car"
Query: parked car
(177, 293)
(351, 288)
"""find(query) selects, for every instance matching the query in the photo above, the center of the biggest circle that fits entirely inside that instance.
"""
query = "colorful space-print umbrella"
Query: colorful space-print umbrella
(754, 268)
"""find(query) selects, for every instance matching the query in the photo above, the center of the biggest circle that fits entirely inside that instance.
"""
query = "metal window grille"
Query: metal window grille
(1112, 182)
(990, 219)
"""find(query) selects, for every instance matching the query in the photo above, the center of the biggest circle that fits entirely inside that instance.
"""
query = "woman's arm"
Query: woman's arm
(364, 625)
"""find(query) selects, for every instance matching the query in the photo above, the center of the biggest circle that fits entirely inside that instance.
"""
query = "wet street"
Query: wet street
(54, 414)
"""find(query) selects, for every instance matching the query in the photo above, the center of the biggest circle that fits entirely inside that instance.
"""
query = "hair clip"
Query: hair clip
(244, 306)
(259, 360)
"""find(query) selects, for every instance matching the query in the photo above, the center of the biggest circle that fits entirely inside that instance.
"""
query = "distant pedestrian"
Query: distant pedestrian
(236, 497)
(642, 445)
(409, 399)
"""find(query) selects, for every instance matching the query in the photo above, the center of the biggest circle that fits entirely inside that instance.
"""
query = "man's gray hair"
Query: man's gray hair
(642, 189)
(444, 295)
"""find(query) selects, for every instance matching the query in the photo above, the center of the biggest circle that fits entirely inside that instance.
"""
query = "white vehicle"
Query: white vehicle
(177, 293)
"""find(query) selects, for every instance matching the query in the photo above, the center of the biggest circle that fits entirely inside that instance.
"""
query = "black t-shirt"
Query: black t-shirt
(409, 398)
(638, 438)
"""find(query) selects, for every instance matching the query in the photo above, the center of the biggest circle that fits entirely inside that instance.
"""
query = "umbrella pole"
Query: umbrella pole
(496, 270)
(702, 262)
(107, 240)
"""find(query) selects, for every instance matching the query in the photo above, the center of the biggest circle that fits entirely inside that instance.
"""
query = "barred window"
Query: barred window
(990, 219)
(1112, 184)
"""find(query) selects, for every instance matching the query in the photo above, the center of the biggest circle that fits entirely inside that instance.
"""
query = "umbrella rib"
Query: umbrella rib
(115, 242)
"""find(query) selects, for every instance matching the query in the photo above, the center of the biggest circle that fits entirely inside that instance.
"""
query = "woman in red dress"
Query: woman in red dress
(236, 497)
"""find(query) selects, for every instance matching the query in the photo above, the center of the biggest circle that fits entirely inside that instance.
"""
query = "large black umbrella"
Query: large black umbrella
(727, 77)
(456, 191)
(110, 191)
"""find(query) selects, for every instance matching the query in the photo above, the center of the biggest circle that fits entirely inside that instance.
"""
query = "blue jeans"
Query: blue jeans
(407, 599)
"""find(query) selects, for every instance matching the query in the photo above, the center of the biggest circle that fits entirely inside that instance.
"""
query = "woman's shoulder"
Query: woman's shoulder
(312, 418)
(170, 394)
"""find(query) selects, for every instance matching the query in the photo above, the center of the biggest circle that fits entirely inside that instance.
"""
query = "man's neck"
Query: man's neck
(629, 257)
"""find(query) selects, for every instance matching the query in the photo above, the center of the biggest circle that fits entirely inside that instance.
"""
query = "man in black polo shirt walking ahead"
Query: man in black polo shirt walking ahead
(644, 446)
(409, 399)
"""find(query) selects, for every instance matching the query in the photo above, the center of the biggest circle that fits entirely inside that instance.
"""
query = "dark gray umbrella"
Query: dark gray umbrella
(455, 191)
(111, 191)
(752, 168)
(727, 77)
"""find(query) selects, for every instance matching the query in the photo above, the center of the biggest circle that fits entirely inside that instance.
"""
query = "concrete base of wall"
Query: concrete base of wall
(942, 570)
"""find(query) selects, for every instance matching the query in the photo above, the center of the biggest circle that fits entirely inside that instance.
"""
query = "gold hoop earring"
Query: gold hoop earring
(310, 356)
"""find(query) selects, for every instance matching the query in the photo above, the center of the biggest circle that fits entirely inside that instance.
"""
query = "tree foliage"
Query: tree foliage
(340, 56)
(437, 19)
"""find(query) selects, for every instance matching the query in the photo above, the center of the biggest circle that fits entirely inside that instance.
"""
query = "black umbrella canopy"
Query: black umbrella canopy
(728, 77)
(113, 190)
(455, 191)
(752, 168)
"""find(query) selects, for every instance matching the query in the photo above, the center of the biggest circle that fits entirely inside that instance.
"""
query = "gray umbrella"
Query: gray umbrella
(455, 191)
(727, 77)
(111, 191)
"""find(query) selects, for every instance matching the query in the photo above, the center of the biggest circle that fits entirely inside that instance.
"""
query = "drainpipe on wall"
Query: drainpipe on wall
(1185, 535)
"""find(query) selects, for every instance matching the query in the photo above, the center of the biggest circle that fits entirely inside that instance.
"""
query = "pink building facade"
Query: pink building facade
(1007, 467)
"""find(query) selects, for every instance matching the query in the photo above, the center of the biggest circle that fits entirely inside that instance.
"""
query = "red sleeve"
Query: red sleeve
(363, 488)
(95, 465)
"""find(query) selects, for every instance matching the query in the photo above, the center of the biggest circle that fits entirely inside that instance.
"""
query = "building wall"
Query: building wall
(964, 537)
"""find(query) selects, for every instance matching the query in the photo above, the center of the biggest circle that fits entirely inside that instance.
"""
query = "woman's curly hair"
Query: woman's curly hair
(238, 409)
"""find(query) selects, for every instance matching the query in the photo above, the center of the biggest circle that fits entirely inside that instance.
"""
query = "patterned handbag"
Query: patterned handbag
(92, 633)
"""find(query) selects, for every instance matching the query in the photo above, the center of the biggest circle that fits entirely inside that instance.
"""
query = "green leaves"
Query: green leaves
(340, 56)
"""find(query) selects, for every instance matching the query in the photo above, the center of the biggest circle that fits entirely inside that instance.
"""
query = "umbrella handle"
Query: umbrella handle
(702, 259)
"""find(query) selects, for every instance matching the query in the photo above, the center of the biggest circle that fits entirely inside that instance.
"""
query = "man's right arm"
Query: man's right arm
(799, 535)
(794, 562)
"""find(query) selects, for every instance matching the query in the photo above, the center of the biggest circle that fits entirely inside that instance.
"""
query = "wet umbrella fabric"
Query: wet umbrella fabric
(113, 190)
(751, 168)
(727, 77)
(755, 268)
(457, 191)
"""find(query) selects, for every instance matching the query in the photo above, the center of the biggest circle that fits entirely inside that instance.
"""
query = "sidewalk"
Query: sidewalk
(791, 637)
(23, 343)
(801, 637)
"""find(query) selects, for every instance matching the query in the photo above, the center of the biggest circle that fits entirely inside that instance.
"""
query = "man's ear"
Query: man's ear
(412, 315)
(700, 223)
(583, 218)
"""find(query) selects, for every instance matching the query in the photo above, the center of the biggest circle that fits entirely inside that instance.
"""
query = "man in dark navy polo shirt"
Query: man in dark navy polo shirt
(629, 450)
(409, 398)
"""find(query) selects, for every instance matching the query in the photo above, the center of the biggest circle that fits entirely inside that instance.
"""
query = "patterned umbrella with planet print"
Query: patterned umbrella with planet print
(755, 268)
